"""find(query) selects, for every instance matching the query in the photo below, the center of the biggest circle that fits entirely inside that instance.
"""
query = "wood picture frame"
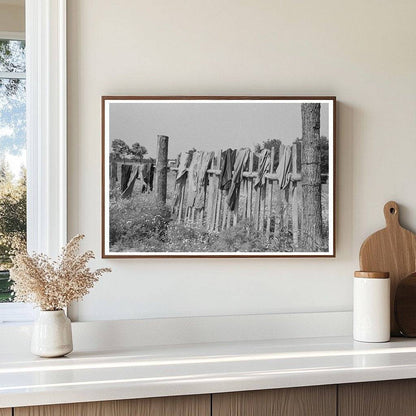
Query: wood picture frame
(166, 167)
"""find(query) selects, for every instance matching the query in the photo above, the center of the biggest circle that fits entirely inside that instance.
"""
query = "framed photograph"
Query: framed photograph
(218, 176)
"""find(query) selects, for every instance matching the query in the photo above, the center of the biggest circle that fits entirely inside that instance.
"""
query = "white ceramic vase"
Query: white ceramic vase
(52, 334)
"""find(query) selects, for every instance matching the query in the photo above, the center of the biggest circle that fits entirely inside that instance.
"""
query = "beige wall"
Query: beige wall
(12, 18)
(361, 51)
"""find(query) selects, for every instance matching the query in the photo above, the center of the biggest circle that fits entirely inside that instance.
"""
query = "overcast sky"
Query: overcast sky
(207, 126)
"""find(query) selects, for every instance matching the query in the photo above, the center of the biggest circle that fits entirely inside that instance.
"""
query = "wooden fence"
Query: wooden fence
(269, 208)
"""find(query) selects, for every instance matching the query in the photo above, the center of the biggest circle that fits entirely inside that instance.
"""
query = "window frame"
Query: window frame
(46, 127)
(14, 312)
(12, 36)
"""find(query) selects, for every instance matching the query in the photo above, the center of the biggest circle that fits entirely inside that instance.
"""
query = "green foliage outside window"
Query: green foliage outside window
(12, 155)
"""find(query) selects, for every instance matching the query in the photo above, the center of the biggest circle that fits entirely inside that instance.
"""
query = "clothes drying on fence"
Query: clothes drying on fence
(130, 185)
(226, 168)
(147, 175)
(125, 176)
(202, 181)
(193, 177)
(239, 165)
(285, 166)
(263, 168)
(184, 162)
(181, 175)
(113, 171)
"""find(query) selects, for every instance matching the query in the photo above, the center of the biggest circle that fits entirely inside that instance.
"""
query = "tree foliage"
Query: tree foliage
(12, 97)
(12, 142)
(12, 213)
(138, 150)
(120, 147)
(12, 56)
(323, 142)
(268, 144)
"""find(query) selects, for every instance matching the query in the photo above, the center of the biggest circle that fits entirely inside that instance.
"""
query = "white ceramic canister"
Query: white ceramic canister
(52, 334)
(371, 313)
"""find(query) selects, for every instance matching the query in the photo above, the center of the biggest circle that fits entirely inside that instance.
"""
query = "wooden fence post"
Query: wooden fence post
(297, 194)
(257, 201)
(216, 198)
(182, 197)
(285, 202)
(311, 178)
(270, 194)
(162, 169)
(217, 217)
(280, 206)
(211, 196)
(250, 188)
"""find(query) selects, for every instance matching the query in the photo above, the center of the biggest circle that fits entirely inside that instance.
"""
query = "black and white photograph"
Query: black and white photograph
(218, 176)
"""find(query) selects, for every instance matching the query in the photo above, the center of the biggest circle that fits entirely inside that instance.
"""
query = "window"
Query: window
(45, 140)
(12, 154)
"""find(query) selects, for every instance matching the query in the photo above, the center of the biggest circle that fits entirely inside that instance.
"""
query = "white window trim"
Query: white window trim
(12, 35)
(46, 124)
(13, 75)
(46, 134)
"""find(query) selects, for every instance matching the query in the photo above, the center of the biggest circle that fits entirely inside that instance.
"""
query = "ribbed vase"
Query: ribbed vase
(52, 334)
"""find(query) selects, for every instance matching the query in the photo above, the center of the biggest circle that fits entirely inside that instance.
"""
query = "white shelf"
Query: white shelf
(151, 371)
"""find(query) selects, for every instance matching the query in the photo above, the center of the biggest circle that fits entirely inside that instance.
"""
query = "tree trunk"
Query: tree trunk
(162, 169)
(311, 179)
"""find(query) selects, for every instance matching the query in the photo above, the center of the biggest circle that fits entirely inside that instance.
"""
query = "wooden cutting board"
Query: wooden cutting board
(393, 250)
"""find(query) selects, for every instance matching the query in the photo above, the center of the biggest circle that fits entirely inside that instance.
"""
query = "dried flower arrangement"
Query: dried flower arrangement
(53, 285)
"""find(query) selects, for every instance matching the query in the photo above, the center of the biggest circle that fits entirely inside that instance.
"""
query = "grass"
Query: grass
(138, 224)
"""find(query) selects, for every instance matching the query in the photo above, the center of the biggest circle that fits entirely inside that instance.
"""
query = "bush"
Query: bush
(243, 237)
(142, 226)
(183, 238)
(137, 225)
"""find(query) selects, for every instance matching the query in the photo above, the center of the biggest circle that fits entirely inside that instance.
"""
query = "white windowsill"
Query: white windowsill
(16, 313)
(12, 35)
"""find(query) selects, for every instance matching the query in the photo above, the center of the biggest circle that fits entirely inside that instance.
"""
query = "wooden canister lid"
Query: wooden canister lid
(372, 275)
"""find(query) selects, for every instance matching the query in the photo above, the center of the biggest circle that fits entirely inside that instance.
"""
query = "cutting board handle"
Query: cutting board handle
(391, 214)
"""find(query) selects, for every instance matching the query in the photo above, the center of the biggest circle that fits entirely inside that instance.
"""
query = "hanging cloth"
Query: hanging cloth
(193, 177)
(239, 164)
(184, 162)
(146, 173)
(113, 171)
(129, 189)
(203, 179)
(181, 176)
(125, 176)
(152, 175)
(285, 166)
(226, 168)
(263, 168)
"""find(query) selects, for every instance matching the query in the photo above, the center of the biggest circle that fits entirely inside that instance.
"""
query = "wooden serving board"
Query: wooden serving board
(393, 250)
